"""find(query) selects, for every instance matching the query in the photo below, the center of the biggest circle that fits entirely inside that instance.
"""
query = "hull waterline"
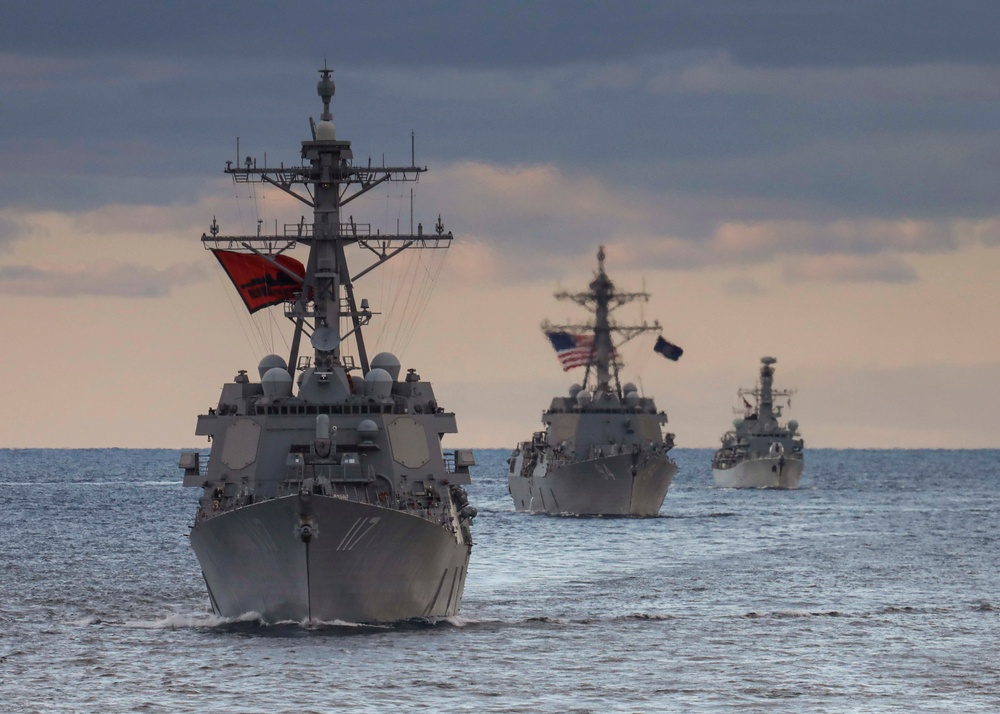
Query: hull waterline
(765, 472)
(362, 563)
(604, 486)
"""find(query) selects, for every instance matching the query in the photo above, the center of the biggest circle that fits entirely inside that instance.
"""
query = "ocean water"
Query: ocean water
(875, 587)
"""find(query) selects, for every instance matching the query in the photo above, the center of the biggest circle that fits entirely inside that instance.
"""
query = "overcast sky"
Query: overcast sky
(812, 180)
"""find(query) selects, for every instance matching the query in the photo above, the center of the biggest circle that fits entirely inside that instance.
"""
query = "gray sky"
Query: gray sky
(769, 154)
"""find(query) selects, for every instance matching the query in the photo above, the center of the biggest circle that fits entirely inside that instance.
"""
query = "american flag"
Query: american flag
(572, 350)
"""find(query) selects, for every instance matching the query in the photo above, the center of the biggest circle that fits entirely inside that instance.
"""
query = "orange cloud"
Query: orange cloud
(99, 279)
(850, 269)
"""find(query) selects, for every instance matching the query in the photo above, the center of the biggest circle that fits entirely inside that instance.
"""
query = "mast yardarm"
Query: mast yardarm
(326, 181)
(602, 299)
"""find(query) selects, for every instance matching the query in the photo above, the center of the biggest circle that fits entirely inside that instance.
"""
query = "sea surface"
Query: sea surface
(875, 587)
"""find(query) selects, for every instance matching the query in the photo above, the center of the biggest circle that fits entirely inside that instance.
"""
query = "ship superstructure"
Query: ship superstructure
(603, 450)
(760, 451)
(327, 495)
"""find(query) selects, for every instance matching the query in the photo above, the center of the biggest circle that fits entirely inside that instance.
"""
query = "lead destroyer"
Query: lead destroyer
(603, 451)
(760, 452)
(333, 501)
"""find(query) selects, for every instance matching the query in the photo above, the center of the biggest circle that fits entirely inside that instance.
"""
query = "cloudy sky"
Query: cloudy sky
(816, 181)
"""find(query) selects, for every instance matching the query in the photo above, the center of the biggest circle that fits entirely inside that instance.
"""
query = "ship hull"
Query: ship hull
(362, 563)
(765, 472)
(598, 487)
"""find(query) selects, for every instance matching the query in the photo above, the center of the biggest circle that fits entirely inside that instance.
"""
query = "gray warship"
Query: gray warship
(332, 501)
(603, 451)
(760, 451)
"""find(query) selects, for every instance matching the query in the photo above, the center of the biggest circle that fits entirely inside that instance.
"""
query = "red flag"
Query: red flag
(259, 283)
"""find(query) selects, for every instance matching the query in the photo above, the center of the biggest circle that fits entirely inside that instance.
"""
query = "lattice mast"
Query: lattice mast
(328, 287)
(602, 299)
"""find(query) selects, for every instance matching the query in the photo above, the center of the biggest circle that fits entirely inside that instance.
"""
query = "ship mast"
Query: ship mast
(765, 394)
(602, 299)
(327, 292)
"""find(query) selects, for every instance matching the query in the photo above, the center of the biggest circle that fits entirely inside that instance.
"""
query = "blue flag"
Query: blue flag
(667, 349)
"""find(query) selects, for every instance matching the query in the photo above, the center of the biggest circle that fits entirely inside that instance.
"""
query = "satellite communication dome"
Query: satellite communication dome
(277, 382)
(269, 362)
(793, 425)
(325, 131)
(367, 428)
(378, 383)
(574, 390)
(737, 422)
(632, 398)
(629, 387)
(387, 361)
(583, 398)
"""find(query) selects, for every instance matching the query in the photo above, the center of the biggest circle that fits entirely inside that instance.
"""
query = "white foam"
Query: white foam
(339, 623)
(459, 621)
(181, 620)
(84, 621)
(792, 613)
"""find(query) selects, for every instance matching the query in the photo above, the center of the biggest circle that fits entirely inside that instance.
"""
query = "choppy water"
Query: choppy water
(875, 587)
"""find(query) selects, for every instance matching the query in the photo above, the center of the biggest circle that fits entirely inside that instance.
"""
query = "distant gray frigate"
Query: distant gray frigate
(761, 452)
(603, 451)
(327, 495)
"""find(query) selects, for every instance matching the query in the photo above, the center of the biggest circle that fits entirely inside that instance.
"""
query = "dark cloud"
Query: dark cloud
(512, 33)
(10, 231)
(718, 112)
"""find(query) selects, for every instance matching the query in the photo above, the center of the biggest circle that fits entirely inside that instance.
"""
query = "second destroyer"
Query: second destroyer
(603, 451)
